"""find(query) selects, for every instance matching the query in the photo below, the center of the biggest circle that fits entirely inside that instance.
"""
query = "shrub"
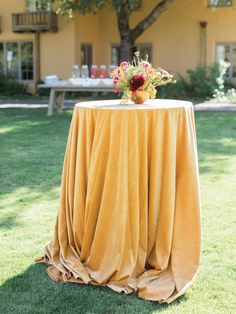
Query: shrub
(9, 86)
(199, 83)
(42, 91)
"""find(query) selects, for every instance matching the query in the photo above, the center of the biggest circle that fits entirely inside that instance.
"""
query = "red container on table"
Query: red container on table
(103, 71)
(94, 71)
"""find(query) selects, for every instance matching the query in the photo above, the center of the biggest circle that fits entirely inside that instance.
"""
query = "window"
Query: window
(87, 54)
(220, 3)
(115, 55)
(227, 52)
(144, 49)
(38, 5)
(12, 57)
(1, 58)
(16, 60)
(27, 73)
(136, 5)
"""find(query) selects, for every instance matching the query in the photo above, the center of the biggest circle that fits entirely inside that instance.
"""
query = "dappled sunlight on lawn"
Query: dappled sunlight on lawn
(24, 205)
(20, 126)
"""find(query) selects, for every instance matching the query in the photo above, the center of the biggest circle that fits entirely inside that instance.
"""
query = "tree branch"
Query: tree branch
(150, 19)
(123, 20)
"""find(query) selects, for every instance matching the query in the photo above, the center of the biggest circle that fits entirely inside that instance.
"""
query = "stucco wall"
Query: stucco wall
(58, 50)
(175, 36)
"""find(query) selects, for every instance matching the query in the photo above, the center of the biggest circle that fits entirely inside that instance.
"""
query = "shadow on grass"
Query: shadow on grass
(34, 292)
(32, 148)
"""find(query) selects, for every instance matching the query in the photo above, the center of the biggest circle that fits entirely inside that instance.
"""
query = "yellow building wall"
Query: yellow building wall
(87, 32)
(58, 50)
(7, 7)
(175, 36)
(109, 35)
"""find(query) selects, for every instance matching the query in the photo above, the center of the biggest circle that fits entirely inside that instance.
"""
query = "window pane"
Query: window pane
(12, 58)
(223, 53)
(115, 55)
(136, 4)
(233, 61)
(220, 3)
(145, 49)
(43, 5)
(30, 5)
(86, 54)
(1, 58)
(27, 65)
(37, 5)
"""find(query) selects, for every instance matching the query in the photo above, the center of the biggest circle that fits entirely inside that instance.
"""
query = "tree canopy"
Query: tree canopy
(68, 7)
(123, 10)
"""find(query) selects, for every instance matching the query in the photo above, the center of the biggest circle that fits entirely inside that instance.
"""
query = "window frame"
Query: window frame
(137, 6)
(230, 70)
(137, 45)
(114, 46)
(29, 3)
(219, 5)
(19, 63)
(143, 45)
(33, 61)
(91, 46)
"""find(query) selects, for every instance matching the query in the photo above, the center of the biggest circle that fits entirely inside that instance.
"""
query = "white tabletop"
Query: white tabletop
(149, 104)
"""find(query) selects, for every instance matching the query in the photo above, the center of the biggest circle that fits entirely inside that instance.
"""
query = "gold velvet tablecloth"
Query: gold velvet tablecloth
(129, 214)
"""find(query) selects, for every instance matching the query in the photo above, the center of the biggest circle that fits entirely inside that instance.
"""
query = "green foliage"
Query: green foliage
(9, 86)
(200, 83)
(68, 7)
(42, 91)
(123, 10)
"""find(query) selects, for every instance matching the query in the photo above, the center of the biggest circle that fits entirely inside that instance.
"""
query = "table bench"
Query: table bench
(58, 102)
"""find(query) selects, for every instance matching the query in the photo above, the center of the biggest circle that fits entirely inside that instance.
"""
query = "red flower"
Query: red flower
(136, 82)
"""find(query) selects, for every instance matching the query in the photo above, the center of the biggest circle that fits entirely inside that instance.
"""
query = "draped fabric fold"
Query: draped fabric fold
(129, 214)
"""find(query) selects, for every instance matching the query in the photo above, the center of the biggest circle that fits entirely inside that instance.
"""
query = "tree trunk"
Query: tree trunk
(126, 49)
(128, 36)
(126, 41)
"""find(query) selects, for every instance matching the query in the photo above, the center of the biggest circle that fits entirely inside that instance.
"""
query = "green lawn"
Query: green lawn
(31, 155)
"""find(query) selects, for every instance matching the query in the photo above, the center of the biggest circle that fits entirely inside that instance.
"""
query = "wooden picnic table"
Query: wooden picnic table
(60, 88)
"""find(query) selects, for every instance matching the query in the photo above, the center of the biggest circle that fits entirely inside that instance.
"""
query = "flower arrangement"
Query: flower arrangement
(138, 76)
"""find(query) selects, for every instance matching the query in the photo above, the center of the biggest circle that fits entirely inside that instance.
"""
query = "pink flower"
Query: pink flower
(146, 64)
(136, 82)
(164, 73)
(124, 64)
